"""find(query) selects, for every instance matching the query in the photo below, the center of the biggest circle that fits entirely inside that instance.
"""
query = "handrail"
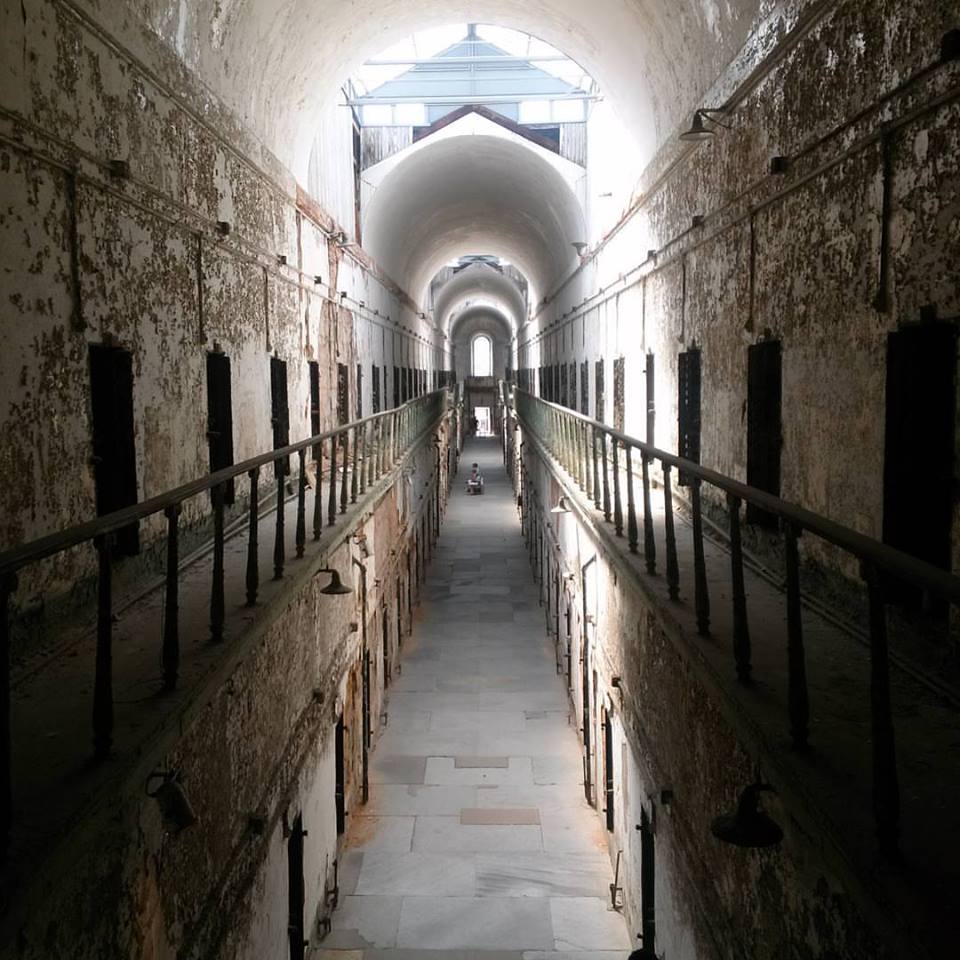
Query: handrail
(919, 573)
(44, 547)
(366, 449)
(591, 454)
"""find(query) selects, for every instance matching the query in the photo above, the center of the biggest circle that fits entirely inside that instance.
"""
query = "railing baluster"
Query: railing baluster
(332, 491)
(170, 658)
(700, 589)
(596, 468)
(355, 472)
(741, 630)
(301, 536)
(216, 588)
(253, 531)
(797, 696)
(673, 567)
(617, 501)
(605, 468)
(886, 787)
(633, 534)
(345, 471)
(8, 584)
(279, 548)
(318, 491)
(103, 677)
(649, 539)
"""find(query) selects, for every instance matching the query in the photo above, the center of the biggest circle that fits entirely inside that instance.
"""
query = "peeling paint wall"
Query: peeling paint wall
(135, 210)
(796, 257)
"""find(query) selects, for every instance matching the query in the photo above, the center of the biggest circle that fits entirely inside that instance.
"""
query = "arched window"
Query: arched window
(482, 356)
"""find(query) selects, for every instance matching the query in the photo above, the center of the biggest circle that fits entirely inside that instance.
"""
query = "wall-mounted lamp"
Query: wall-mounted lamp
(173, 802)
(562, 506)
(749, 826)
(335, 588)
(579, 246)
(698, 132)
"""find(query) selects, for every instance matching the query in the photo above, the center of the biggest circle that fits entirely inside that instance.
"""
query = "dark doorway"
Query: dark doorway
(375, 388)
(220, 418)
(114, 451)
(608, 768)
(314, 369)
(648, 877)
(385, 634)
(619, 393)
(295, 887)
(599, 397)
(343, 394)
(585, 692)
(764, 398)
(340, 795)
(367, 726)
(359, 391)
(650, 372)
(918, 477)
(585, 388)
(399, 614)
(279, 412)
(572, 401)
(396, 386)
(688, 408)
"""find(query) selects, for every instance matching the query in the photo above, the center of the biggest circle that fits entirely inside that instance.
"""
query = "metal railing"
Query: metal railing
(358, 455)
(602, 461)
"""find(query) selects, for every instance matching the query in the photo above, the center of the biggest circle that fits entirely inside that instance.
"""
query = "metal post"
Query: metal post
(253, 524)
(741, 630)
(673, 567)
(649, 539)
(170, 657)
(701, 591)
(301, 536)
(216, 587)
(633, 534)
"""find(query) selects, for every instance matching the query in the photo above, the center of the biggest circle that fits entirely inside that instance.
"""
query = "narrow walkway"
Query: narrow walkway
(477, 841)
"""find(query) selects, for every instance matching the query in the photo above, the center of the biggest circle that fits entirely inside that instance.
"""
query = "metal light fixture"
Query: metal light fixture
(749, 826)
(335, 588)
(579, 246)
(698, 132)
(562, 506)
(173, 802)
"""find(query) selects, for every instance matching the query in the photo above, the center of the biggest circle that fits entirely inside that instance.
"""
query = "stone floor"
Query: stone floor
(477, 841)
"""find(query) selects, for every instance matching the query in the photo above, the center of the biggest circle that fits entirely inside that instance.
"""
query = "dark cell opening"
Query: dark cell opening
(650, 372)
(220, 418)
(599, 399)
(585, 388)
(314, 368)
(608, 768)
(340, 795)
(343, 394)
(648, 878)
(114, 450)
(396, 386)
(918, 475)
(764, 436)
(359, 391)
(279, 412)
(619, 391)
(572, 396)
(375, 388)
(688, 408)
(295, 886)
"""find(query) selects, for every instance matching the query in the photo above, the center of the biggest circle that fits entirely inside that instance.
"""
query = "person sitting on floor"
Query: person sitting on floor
(475, 480)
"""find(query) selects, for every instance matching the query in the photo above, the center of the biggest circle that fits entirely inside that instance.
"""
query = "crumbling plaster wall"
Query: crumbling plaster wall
(712, 901)
(94, 253)
(794, 257)
(254, 751)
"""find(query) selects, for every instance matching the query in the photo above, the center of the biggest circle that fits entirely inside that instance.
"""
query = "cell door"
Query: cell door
(764, 427)
(918, 473)
(220, 418)
(343, 394)
(648, 880)
(114, 450)
(339, 793)
(279, 412)
(589, 622)
(367, 725)
(385, 634)
(295, 887)
(314, 368)
(396, 386)
(608, 768)
(688, 408)
(359, 391)
(650, 372)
